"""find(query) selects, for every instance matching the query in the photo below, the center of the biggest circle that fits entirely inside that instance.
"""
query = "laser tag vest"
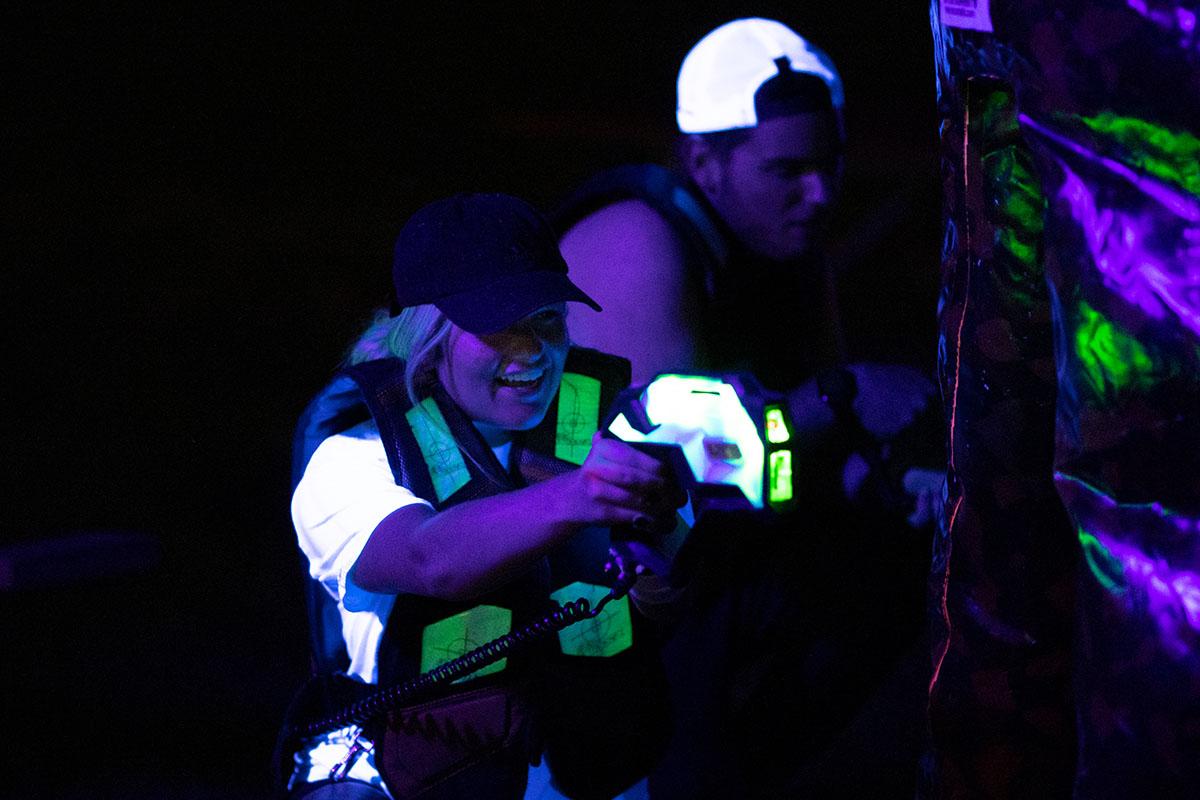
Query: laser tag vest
(758, 324)
(435, 451)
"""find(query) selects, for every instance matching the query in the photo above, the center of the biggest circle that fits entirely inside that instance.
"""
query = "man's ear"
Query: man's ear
(703, 164)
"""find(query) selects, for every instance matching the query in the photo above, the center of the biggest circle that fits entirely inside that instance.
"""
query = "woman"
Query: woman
(411, 519)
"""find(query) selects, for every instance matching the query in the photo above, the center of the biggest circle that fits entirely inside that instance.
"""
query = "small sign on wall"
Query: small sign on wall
(974, 15)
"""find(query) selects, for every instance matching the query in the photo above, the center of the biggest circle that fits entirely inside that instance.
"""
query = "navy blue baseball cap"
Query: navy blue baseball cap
(485, 260)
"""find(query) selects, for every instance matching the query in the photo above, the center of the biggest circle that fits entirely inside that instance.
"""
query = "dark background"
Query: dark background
(200, 207)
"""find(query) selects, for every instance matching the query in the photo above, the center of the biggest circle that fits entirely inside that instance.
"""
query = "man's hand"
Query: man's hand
(890, 397)
(927, 487)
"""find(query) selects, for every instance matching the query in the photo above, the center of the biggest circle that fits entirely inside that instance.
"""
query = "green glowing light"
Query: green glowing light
(780, 480)
(458, 635)
(578, 416)
(440, 451)
(1112, 359)
(608, 633)
(777, 430)
(1104, 566)
(1170, 156)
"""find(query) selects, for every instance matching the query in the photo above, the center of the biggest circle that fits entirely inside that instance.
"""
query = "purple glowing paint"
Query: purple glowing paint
(1128, 249)
(1163, 583)
(1110, 102)
(1178, 203)
(1176, 19)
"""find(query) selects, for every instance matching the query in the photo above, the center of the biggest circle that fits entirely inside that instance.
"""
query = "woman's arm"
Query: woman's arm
(470, 548)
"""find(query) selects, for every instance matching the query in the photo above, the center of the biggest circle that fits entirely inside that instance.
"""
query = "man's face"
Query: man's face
(776, 189)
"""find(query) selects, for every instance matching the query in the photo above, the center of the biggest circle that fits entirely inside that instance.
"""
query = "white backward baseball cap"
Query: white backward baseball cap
(720, 75)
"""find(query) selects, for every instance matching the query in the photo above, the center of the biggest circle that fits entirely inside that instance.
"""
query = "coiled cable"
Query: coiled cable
(405, 693)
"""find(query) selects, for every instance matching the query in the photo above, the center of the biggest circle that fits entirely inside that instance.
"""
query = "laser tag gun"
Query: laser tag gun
(729, 440)
(735, 447)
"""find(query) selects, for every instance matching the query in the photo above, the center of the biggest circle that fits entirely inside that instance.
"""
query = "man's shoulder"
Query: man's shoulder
(626, 217)
(652, 183)
(647, 195)
(627, 239)
(644, 213)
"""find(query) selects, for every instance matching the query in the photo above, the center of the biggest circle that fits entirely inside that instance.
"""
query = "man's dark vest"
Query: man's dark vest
(776, 325)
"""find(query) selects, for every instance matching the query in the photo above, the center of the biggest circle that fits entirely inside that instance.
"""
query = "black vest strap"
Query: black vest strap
(383, 389)
(335, 408)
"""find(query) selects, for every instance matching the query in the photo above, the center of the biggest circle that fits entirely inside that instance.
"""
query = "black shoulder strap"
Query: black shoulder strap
(422, 469)
(336, 407)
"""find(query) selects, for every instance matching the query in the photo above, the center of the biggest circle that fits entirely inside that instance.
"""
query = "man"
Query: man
(689, 264)
(720, 269)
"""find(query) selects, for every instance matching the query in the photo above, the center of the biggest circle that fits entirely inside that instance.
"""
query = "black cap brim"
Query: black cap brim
(510, 298)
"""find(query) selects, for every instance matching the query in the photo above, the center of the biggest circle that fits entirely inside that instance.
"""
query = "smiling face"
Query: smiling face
(776, 189)
(505, 381)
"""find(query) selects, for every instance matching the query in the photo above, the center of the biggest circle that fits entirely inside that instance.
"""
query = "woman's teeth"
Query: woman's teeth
(524, 378)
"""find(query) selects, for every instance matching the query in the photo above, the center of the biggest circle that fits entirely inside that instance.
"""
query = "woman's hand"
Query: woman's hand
(620, 485)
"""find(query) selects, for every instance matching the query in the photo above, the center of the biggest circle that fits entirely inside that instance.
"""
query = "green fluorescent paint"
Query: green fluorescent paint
(445, 462)
(998, 114)
(1014, 188)
(1170, 156)
(456, 636)
(1112, 360)
(1015, 205)
(1016, 209)
(780, 481)
(578, 416)
(1104, 566)
(777, 430)
(1022, 251)
(608, 633)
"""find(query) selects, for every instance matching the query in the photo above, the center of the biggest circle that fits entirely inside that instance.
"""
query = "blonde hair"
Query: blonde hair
(416, 335)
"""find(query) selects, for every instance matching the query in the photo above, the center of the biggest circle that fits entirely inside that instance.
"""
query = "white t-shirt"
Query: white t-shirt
(346, 491)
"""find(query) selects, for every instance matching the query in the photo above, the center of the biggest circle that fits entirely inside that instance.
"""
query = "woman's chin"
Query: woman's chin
(516, 417)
